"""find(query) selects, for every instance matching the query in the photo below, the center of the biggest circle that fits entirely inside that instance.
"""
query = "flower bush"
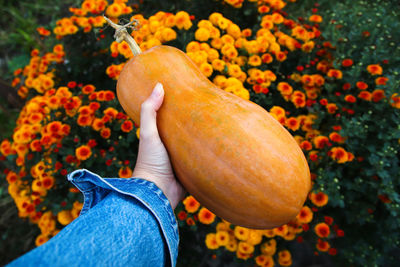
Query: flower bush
(343, 111)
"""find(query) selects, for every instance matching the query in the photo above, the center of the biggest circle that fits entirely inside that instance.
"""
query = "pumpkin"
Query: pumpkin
(229, 153)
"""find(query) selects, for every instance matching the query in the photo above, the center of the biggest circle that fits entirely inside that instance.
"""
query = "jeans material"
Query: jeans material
(123, 222)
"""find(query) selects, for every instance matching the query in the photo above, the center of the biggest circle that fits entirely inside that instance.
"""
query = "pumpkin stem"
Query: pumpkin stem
(121, 34)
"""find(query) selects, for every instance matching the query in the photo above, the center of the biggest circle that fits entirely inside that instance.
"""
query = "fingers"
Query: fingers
(148, 113)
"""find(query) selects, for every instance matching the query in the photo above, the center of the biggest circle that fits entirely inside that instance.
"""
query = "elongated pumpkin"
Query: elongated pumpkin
(229, 153)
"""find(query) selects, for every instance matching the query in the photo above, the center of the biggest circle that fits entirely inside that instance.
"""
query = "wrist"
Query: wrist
(168, 188)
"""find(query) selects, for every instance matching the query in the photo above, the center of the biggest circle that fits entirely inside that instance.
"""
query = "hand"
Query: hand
(153, 163)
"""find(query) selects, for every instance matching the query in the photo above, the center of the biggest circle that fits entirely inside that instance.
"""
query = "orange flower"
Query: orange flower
(88, 89)
(222, 238)
(335, 74)
(105, 133)
(191, 204)
(127, 126)
(83, 152)
(293, 124)
(305, 215)
(320, 199)
(335, 137)
(306, 145)
(350, 99)
(97, 124)
(315, 18)
(378, 95)
(365, 95)
(381, 80)
(54, 127)
(125, 172)
(339, 154)
(323, 245)
(284, 258)
(84, 120)
(41, 239)
(206, 216)
(285, 88)
(320, 141)
(331, 107)
(48, 182)
(322, 230)
(374, 69)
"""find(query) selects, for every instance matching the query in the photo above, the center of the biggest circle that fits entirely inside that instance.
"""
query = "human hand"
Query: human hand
(153, 163)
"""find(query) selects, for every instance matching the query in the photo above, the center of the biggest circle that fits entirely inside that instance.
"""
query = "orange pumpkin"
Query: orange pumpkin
(229, 153)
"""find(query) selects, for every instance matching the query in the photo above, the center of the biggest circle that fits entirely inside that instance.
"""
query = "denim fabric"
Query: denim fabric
(123, 222)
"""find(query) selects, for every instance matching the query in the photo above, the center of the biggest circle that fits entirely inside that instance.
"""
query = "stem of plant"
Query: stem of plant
(121, 34)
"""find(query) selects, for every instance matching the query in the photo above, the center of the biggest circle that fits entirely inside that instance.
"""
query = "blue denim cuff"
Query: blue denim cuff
(95, 188)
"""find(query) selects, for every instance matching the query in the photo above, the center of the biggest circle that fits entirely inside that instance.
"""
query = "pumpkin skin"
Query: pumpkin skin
(229, 153)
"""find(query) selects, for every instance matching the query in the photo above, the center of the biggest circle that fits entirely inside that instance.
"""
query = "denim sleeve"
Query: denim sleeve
(123, 222)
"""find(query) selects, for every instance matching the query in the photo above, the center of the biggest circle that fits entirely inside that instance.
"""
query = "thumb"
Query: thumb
(148, 112)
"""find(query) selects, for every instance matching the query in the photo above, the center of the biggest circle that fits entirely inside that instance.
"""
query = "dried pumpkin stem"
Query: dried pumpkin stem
(121, 34)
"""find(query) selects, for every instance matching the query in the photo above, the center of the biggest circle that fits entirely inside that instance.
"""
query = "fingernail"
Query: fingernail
(157, 90)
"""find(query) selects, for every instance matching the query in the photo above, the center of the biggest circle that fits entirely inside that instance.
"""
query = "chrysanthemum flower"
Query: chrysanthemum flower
(191, 204)
(206, 216)
(322, 230)
(83, 152)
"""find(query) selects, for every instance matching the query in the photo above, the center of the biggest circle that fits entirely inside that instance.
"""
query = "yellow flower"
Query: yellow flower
(211, 241)
(114, 10)
(202, 34)
(222, 238)
(64, 217)
(254, 60)
(241, 233)
(245, 247)
(41, 239)
(182, 20)
(193, 46)
(269, 247)
(206, 69)
(168, 34)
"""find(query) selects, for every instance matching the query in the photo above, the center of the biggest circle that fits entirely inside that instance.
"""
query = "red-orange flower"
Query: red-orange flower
(335, 74)
(206, 216)
(306, 145)
(83, 152)
(331, 107)
(350, 99)
(381, 80)
(339, 154)
(378, 95)
(323, 245)
(322, 230)
(320, 141)
(365, 95)
(347, 62)
(127, 126)
(292, 123)
(105, 133)
(361, 85)
(335, 137)
(125, 172)
(320, 199)
(88, 89)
